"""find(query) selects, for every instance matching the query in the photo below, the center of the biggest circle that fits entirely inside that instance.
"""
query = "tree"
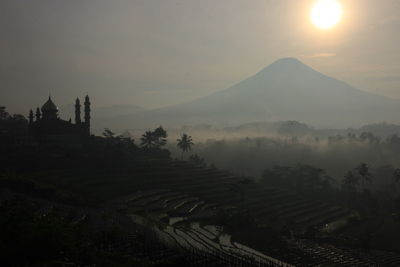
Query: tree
(31, 117)
(302, 177)
(369, 137)
(185, 143)
(154, 139)
(198, 161)
(3, 113)
(148, 140)
(393, 140)
(107, 133)
(126, 141)
(13, 125)
(38, 114)
(396, 175)
(364, 173)
(350, 182)
(160, 136)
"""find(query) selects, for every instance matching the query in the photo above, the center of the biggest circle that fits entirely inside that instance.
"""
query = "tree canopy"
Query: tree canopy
(185, 143)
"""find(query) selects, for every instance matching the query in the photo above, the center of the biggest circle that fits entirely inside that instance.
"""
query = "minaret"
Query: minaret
(77, 111)
(87, 115)
(38, 114)
(30, 117)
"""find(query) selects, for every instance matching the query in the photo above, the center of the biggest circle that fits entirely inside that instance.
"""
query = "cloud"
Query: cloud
(318, 55)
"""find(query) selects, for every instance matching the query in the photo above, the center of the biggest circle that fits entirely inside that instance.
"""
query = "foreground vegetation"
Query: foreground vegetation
(56, 192)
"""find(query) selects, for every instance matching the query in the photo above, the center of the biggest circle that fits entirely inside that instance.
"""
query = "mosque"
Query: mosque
(47, 123)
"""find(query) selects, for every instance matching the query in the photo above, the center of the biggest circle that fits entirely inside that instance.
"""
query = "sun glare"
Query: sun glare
(325, 14)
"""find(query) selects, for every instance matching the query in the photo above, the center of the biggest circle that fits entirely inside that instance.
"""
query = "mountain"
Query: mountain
(285, 90)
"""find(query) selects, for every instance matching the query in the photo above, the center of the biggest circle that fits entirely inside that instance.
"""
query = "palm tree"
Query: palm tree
(350, 181)
(364, 173)
(185, 143)
(148, 140)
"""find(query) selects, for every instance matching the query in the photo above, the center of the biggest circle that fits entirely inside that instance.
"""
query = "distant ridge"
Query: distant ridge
(287, 89)
(102, 115)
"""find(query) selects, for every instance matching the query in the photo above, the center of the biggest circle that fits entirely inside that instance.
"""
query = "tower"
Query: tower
(38, 114)
(30, 117)
(77, 111)
(87, 115)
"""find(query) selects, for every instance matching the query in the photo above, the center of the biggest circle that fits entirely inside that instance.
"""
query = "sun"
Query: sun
(325, 14)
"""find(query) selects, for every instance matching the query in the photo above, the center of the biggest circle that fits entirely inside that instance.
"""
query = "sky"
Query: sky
(155, 53)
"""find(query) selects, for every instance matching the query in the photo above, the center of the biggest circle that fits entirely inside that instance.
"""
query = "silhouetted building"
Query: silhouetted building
(87, 115)
(48, 124)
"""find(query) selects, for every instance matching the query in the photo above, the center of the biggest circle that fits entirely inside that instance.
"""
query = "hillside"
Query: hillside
(285, 90)
(197, 209)
(184, 202)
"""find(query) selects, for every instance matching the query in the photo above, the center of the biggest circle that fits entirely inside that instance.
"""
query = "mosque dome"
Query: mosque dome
(49, 110)
(49, 106)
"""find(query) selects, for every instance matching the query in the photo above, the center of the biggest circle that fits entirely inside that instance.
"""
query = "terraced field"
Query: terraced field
(196, 192)
(328, 255)
(217, 246)
(185, 233)
(179, 195)
(182, 198)
(187, 190)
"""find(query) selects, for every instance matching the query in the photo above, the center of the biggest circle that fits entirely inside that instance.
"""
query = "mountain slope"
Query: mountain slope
(285, 90)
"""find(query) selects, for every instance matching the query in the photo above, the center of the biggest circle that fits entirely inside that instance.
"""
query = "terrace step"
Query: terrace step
(339, 215)
(222, 196)
(307, 210)
(204, 181)
(256, 190)
(323, 216)
(145, 194)
(184, 202)
(153, 198)
(203, 187)
(204, 172)
(286, 207)
(270, 200)
(209, 206)
(189, 207)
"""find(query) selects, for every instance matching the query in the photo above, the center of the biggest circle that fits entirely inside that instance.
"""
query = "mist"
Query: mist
(199, 133)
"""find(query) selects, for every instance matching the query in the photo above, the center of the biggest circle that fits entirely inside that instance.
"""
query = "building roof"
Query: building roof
(49, 106)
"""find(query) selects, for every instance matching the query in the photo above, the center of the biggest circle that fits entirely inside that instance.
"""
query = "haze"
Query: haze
(161, 53)
(200, 133)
